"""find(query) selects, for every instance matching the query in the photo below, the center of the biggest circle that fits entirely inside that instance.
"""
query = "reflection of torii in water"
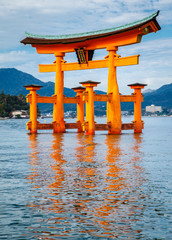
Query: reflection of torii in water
(97, 192)
(84, 45)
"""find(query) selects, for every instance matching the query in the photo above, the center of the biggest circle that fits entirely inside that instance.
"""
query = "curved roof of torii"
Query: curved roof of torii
(82, 37)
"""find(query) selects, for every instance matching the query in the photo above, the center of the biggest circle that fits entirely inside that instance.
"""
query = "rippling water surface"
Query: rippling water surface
(72, 186)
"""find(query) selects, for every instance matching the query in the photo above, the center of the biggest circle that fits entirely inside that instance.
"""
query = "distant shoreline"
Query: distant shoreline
(6, 118)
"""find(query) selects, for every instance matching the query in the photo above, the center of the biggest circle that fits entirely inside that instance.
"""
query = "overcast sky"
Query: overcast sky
(58, 17)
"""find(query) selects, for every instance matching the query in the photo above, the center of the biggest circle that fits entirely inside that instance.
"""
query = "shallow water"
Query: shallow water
(72, 186)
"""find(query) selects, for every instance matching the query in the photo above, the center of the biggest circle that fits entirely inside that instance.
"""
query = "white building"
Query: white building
(19, 113)
(153, 109)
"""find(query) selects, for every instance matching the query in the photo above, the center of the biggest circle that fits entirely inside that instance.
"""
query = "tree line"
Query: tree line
(9, 103)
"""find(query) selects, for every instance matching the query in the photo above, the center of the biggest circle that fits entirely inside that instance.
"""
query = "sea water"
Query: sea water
(72, 186)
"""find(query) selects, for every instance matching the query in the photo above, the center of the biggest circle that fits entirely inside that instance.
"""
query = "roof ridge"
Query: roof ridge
(65, 36)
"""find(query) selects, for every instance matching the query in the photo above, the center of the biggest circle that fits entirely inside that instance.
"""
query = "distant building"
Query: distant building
(19, 113)
(124, 113)
(153, 109)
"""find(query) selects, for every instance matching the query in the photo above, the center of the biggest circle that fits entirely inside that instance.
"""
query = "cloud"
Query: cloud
(155, 62)
(62, 17)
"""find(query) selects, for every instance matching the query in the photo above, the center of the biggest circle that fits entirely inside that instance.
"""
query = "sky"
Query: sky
(56, 17)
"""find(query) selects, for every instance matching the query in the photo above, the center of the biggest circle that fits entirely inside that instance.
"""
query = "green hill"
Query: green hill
(160, 97)
(11, 103)
(12, 81)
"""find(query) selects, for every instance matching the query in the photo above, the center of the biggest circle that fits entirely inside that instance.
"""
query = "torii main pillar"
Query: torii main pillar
(58, 111)
(80, 107)
(90, 128)
(138, 123)
(33, 106)
(113, 107)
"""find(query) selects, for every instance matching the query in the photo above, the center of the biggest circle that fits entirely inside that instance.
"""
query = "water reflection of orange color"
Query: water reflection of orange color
(56, 204)
(34, 148)
(114, 183)
(91, 178)
(85, 175)
(138, 171)
(57, 156)
(115, 176)
(88, 181)
(85, 153)
(85, 150)
(136, 182)
(137, 141)
(33, 159)
(51, 203)
(90, 172)
(115, 206)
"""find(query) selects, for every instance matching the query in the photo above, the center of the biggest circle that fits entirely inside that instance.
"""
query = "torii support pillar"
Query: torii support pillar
(138, 123)
(33, 106)
(114, 106)
(90, 124)
(58, 111)
(80, 107)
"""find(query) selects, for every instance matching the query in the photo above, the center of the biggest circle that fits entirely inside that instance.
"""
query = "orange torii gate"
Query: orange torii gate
(84, 45)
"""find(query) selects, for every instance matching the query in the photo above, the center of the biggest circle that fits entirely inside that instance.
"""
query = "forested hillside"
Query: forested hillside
(10, 103)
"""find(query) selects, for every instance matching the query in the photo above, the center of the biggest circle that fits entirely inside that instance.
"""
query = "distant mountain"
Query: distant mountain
(13, 80)
(160, 97)
(148, 91)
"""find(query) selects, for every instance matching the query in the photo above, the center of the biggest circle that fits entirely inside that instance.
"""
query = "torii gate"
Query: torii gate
(84, 45)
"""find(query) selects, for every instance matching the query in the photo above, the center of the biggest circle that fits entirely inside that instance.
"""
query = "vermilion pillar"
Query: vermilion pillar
(33, 107)
(58, 111)
(90, 128)
(138, 124)
(80, 107)
(114, 106)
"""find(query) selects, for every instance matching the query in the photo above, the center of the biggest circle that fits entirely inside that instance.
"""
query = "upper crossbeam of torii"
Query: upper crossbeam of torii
(84, 45)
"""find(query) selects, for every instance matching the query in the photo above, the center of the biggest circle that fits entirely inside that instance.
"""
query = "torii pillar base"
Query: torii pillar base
(89, 124)
(80, 108)
(138, 123)
(33, 107)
